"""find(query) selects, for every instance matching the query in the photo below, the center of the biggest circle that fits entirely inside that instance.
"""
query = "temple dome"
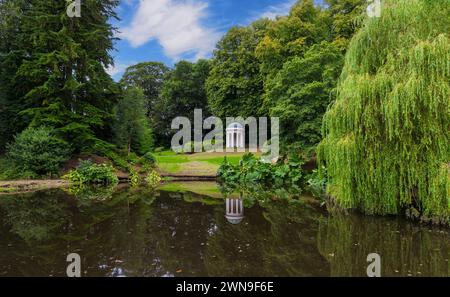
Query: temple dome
(235, 126)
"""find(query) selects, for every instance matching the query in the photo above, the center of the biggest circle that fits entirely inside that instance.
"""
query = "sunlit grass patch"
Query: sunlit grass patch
(199, 164)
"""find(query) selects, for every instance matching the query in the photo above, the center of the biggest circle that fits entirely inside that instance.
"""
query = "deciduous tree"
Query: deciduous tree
(182, 93)
(235, 84)
(387, 146)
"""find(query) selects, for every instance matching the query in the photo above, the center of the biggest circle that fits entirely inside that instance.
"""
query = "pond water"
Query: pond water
(135, 232)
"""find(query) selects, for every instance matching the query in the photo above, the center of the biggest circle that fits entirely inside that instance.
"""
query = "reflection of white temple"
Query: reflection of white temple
(235, 136)
(235, 210)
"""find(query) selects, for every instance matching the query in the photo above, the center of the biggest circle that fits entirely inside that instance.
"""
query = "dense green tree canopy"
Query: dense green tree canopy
(291, 35)
(387, 146)
(235, 84)
(131, 125)
(149, 76)
(56, 76)
(301, 92)
(301, 57)
(183, 91)
(346, 16)
(61, 79)
(11, 12)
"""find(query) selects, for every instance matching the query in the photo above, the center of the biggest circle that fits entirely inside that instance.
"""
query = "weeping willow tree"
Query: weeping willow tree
(386, 140)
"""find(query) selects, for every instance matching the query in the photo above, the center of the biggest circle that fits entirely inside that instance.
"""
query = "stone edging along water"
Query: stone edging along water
(25, 186)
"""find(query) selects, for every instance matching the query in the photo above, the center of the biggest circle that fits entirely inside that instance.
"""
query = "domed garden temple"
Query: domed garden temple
(235, 136)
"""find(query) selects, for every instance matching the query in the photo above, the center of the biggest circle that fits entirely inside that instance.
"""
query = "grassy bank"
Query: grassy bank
(200, 164)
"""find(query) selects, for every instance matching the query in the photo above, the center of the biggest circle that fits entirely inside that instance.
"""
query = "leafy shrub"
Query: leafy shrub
(159, 149)
(37, 150)
(252, 170)
(149, 158)
(132, 158)
(108, 150)
(117, 160)
(317, 184)
(89, 173)
(9, 171)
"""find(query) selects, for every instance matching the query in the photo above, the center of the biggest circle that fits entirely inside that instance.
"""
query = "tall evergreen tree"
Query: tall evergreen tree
(11, 53)
(131, 125)
(62, 73)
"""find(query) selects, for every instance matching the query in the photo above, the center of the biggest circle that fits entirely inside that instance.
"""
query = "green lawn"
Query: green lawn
(200, 164)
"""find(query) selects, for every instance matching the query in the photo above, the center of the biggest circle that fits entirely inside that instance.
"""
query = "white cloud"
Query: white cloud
(274, 11)
(175, 24)
(118, 69)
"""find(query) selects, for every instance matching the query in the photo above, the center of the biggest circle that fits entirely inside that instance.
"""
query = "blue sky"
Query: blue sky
(170, 30)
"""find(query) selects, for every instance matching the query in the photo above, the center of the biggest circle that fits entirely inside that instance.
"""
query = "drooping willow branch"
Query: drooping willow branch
(387, 140)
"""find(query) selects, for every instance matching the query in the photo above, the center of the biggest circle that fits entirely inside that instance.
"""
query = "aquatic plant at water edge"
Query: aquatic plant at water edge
(387, 143)
(251, 170)
(317, 184)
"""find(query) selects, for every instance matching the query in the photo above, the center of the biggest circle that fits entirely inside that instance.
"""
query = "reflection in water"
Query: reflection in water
(234, 210)
(136, 232)
(405, 248)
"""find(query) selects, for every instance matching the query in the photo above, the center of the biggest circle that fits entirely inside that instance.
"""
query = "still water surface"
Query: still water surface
(139, 233)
